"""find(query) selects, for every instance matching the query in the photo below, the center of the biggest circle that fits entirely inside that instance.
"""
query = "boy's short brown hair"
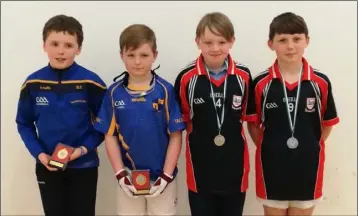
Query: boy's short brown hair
(135, 35)
(63, 23)
(218, 21)
(288, 23)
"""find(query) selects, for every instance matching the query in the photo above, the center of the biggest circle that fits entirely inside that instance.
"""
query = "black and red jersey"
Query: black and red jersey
(283, 173)
(212, 168)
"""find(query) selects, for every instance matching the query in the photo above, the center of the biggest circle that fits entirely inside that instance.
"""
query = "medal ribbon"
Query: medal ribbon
(220, 123)
(292, 125)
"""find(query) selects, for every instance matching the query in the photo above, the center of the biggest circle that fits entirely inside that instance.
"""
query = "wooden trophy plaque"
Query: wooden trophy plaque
(61, 156)
(141, 181)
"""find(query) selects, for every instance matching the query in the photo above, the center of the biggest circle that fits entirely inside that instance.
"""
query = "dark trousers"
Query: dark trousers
(216, 204)
(71, 192)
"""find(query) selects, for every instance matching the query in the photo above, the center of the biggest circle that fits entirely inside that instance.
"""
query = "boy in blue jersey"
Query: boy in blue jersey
(142, 124)
(58, 104)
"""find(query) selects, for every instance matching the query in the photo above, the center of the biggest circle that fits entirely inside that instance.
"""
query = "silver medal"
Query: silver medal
(219, 140)
(292, 143)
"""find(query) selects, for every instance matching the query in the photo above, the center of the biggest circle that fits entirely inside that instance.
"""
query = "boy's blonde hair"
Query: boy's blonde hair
(216, 21)
(135, 35)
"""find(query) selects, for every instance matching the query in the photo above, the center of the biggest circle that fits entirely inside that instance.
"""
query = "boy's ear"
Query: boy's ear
(121, 54)
(307, 41)
(270, 45)
(79, 50)
(197, 41)
(155, 54)
(232, 42)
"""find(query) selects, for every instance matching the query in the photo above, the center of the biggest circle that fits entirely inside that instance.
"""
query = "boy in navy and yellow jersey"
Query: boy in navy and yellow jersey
(142, 124)
(295, 112)
(58, 104)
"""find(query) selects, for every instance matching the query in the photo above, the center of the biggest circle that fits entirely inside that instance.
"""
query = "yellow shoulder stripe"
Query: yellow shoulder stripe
(38, 81)
(63, 82)
(84, 81)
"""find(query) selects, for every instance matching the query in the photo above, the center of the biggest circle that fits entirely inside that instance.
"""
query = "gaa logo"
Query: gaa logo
(119, 104)
(199, 100)
(271, 105)
(41, 101)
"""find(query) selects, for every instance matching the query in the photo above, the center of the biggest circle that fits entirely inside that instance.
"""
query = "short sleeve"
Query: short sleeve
(106, 121)
(175, 122)
(250, 111)
(177, 84)
(330, 116)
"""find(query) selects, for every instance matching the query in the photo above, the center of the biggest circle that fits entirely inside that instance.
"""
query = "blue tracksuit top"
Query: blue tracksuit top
(61, 106)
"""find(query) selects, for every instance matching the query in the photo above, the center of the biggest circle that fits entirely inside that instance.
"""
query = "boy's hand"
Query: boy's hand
(78, 152)
(125, 183)
(75, 154)
(44, 159)
(159, 185)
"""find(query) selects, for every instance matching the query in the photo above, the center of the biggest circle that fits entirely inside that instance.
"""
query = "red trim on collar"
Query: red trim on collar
(201, 70)
(274, 71)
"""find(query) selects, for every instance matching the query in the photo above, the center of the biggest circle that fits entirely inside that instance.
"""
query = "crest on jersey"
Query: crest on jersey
(236, 102)
(310, 103)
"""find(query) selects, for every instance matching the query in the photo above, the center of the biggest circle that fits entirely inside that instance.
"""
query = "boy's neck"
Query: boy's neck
(59, 69)
(215, 68)
(140, 80)
(289, 69)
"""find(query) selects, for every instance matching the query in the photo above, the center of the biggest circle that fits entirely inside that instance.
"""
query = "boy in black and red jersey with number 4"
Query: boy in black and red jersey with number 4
(295, 112)
(213, 92)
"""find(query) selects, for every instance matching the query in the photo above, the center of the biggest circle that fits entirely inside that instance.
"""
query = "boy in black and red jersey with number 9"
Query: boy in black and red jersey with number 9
(213, 92)
(295, 113)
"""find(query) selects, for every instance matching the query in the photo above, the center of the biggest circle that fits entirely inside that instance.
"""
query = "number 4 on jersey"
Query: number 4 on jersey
(218, 103)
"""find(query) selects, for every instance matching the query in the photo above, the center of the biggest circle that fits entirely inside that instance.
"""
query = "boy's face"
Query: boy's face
(61, 49)
(214, 48)
(289, 47)
(139, 62)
